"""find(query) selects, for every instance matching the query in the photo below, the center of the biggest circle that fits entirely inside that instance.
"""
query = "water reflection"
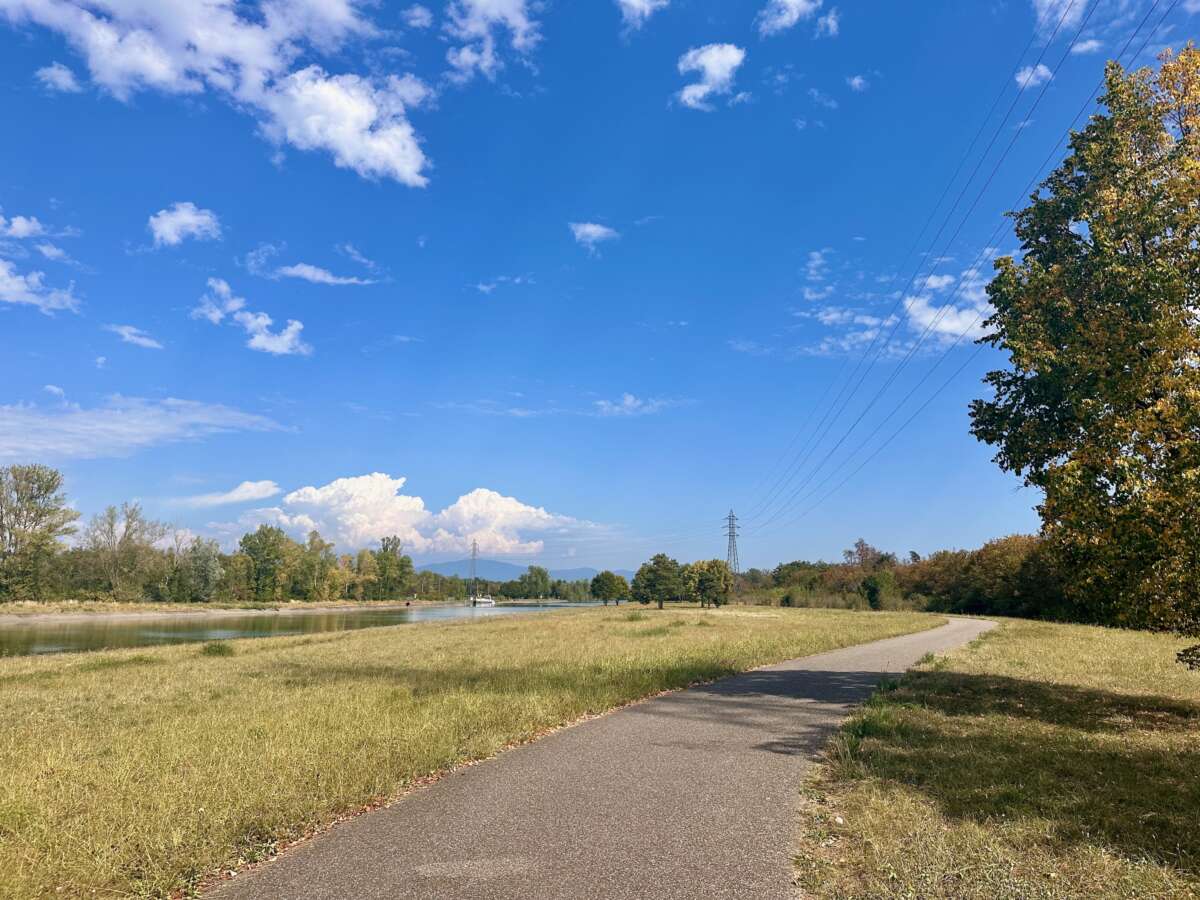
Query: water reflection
(104, 633)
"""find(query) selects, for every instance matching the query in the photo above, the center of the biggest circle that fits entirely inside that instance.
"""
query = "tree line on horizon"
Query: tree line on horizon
(122, 555)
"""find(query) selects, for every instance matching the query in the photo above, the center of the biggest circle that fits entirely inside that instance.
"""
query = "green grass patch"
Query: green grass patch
(1042, 761)
(115, 783)
(217, 648)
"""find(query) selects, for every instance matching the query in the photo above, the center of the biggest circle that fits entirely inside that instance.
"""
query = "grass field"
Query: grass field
(141, 772)
(1043, 761)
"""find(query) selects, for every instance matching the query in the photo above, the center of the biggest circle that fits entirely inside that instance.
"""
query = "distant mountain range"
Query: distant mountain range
(494, 570)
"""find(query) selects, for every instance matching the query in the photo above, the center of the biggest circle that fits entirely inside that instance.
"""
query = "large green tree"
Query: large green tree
(1100, 316)
(658, 580)
(273, 556)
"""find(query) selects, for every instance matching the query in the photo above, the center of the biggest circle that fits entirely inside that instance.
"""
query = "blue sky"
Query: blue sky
(566, 279)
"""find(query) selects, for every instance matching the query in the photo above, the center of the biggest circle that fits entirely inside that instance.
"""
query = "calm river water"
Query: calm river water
(104, 633)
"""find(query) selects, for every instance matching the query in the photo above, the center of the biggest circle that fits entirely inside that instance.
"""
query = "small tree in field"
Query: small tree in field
(712, 582)
(609, 586)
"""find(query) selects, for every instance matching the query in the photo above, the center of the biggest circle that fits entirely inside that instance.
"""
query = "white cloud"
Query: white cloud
(245, 52)
(1050, 13)
(51, 252)
(829, 24)
(20, 227)
(822, 99)
(362, 123)
(358, 511)
(945, 321)
(780, 15)
(31, 290)
(180, 221)
(417, 16)
(58, 77)
(495, 522)
(245, 492)
(1032, 76)
(354, 512)
(816, 268)
(629, 405)
(938, 282)
(716, 64)
(353, 252)
(258, 262)
(858, 83)
(286, 342)
(636, 12)
(119, 427)
(592, 234)
(966, 313)
(476, 24)
(220, 302)
(1091, 45)
(101, 362)
(55, 390)
(317, 275)
(132, 335)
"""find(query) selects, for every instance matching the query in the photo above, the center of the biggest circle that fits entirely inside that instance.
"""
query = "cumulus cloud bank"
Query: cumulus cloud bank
(357, 511)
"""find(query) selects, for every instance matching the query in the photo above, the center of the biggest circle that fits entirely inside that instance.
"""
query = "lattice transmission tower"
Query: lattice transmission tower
(731, 553)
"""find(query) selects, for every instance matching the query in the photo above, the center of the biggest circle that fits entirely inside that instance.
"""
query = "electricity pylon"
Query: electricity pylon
(731, 553)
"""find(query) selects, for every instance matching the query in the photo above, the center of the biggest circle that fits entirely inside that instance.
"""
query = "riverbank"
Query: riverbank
(142, 772)
(13, 613)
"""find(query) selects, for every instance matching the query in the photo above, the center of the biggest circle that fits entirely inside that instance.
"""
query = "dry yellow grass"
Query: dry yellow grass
(1044, 761)
(140, 772)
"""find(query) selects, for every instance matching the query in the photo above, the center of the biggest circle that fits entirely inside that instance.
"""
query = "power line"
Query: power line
(790, 502)
(979, 315)
(822, 429)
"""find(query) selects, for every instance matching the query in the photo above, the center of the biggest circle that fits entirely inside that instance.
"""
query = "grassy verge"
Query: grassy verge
(142, 771)
(1043, 761)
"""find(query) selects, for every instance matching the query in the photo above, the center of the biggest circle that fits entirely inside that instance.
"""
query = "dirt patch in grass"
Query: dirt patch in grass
(1043, 761)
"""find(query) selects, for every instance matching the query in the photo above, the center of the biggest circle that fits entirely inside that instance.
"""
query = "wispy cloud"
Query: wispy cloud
(131, 334)
(780, 15)
(122, 425)
(634, 13)
(220, 302)
(30, 289)
(630, 405)
(246, 492)
(317, 275)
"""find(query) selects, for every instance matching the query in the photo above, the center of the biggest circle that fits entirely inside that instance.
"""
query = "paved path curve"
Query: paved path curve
(689, 795)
